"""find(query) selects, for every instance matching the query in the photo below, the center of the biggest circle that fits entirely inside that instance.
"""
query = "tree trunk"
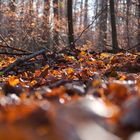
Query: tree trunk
(81, 15)
(127, 23)
(56, 19)
(70, 23)
(138, 37)
(113, 27)
(102, 26)
(86, 14)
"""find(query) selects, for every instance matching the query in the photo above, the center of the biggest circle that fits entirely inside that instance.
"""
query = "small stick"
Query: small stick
(8, 46)
(17, 54)
(22, 60)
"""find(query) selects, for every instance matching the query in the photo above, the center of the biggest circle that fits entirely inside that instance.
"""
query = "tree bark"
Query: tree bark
(56, 19)
(81, 15)
(138, 37)
(127, 23)
(113, 27)
(70, 23)
(86, 14)
(102, 26)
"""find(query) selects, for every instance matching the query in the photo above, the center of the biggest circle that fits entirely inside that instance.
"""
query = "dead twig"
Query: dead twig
(8, 46)
(17, 54)
(94, 19)
(24, 59)
(133, 47)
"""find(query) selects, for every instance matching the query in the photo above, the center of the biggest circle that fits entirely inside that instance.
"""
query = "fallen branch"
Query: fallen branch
(17, 54)
(24, 59)
(133, 47)
(8, 46)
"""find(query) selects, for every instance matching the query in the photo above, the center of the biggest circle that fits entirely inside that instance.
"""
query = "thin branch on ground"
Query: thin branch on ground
(133, 47)
(10, 47)
(24, 59)
(14, 53)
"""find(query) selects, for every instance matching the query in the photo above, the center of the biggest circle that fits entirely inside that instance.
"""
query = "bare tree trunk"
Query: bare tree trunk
(102, 26)
(86, 14)
(127, 23)
(56, 19)
(138, 37)
(70, 23)
(81, 15)
(46, 23)
(75, 6)
(113, 27)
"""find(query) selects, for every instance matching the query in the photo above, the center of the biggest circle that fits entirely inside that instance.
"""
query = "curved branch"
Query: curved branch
(94, 19)
(8, 46)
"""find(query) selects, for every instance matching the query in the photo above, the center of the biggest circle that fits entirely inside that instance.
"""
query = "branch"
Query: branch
(8, 46)
(135, 46)
(94, 19)
(24, 59)
(17, 54)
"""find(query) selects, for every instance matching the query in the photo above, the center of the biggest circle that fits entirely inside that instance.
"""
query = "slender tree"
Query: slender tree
(102, 26)
(113, 27)
(70, 23)
(81, 15)
(86, 14)
(46, 35)
(56, 19)
(127, 23)
(138, 37)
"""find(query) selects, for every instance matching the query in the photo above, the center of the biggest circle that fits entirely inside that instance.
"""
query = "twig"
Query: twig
(94, 19)
(135, 46)
(13, 48)
(24, 59)
(17, 54)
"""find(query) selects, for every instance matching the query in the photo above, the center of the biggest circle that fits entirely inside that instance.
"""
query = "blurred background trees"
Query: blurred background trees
(34, 24)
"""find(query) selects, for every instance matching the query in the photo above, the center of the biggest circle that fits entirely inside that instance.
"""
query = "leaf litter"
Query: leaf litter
(70, 97)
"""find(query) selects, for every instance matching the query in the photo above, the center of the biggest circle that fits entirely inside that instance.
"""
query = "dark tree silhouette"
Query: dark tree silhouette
(70, 23)
(102, 26)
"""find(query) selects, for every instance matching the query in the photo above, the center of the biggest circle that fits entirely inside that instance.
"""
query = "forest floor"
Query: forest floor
(73, 98)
